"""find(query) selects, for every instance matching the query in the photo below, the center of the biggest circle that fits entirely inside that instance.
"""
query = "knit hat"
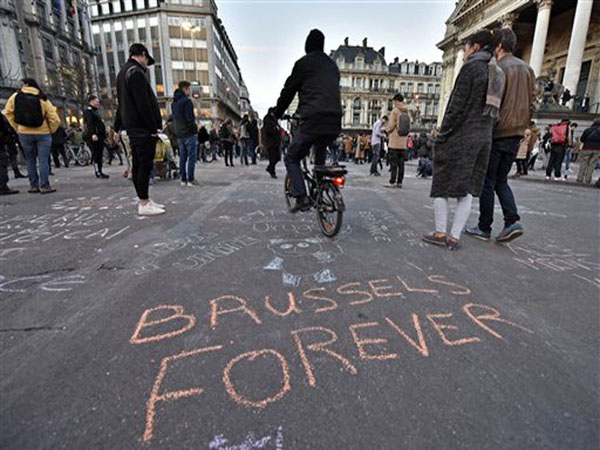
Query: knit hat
(315, 42)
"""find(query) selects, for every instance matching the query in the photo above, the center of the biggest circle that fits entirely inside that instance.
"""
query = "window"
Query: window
(420, 88)
(437, 89)
(409, 89)
(128, 5)
(94, 9)
(48, 48)
(105, 9)
(139, 4)
(63, 54)
(116, 6)
(356, 103)
(430, 88)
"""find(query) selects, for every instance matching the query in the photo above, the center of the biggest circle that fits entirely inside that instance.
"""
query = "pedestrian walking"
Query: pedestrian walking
(34, 118)
(227, 140)
(559, 141)
(463, 144)
(271, 138)
(186, 132)
(203, 144)
(94, 134)
(590, 152)
(377, 137)
(245, 139)
(398, 130)
(253, 132)
(518, 104)
(213, 138)
(138, 113)
(571, 145)
(59, 138)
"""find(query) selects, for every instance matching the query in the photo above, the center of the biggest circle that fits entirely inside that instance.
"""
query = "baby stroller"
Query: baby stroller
(165, 166)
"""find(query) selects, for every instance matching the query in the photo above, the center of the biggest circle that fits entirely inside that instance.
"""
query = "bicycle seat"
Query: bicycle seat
(331, 170)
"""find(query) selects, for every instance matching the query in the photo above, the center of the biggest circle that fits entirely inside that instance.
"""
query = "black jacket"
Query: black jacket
(203, 136)
(271, 133)
(253, 130)
(93, 124)
(183, 116)
(59, 137)
(316, 80)
(591, 137)
(138, 112)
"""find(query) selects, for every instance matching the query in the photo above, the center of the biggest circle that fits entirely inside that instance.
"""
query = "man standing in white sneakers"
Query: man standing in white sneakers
(138, 114)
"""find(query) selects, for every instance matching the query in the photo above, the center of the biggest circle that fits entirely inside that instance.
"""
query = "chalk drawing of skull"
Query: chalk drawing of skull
(298, 259)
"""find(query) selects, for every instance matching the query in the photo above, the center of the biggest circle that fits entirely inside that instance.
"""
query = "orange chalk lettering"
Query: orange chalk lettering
(495, 317)
(216, 311)
(367, 296)
(422, 345)
(332, 303)
(145, 323)
(440, 327)
(292, 306)
(156, 396)
(251, 356)
(319, 347)
(413, 289)
(378, 290)
(360, 343)
(441, 279)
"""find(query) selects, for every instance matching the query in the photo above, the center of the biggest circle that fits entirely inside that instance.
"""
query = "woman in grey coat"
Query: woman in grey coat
(463, 145)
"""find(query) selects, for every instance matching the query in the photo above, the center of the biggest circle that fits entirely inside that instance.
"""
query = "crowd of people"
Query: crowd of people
(487, 127)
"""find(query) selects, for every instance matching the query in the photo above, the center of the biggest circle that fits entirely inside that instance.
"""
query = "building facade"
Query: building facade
(368, 84)
(50, 41)
(560, 39)
(187, 40)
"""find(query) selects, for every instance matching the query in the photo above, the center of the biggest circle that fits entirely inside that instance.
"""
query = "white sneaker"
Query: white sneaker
(158, 205)
(547, 178)
(192, 183)
(557, 179)
(149, 210)
(183, 184)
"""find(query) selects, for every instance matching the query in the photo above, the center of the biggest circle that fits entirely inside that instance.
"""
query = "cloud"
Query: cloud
(261, 49)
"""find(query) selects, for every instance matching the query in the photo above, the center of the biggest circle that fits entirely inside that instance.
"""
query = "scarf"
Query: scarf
(496, 80)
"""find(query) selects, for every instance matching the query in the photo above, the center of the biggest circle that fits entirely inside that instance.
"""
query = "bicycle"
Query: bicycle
(79, 154)
(323, 187)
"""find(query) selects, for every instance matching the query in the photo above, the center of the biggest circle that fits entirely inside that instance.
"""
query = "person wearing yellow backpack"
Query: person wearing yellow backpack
(35, 119)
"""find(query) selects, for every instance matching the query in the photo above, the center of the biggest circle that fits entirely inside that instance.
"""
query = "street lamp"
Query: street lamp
(192, 28)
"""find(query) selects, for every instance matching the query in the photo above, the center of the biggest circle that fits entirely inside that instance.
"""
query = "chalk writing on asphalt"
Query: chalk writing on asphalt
(452, 319)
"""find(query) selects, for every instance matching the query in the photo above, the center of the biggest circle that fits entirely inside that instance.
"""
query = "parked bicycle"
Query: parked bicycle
(79, 155)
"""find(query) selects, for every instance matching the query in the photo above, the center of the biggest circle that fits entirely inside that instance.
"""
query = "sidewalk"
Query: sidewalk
(539, 176)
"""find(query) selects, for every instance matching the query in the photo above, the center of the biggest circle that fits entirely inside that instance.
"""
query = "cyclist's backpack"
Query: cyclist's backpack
(403, 124)
(559, 133)
(28, 110)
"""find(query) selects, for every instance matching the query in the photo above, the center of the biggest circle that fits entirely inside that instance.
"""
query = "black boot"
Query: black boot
(302, 204)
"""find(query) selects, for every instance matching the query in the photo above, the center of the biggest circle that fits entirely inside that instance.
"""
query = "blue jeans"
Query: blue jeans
(246, 151)
(502, 156)
(299, 149)
(375, 161)
(568, 158)
(188, 148)
(37, 146)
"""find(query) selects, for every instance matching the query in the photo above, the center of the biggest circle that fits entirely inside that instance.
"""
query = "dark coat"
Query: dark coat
(316, 80)
(93, 124)
(59, 137)
(271, 133)
(203, 135)
(462, 150)
(591, 137)
(183, 116)
(138, 112)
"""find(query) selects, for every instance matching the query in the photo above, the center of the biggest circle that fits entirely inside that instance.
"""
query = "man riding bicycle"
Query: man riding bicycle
(316, 80)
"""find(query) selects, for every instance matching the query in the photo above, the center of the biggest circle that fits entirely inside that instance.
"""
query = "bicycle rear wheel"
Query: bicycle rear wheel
(330, 210)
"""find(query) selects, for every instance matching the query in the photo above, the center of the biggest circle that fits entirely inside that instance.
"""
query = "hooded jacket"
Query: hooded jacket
(51, 119)
(138, 112)
(316, 79)
(183, 116)
(591, 137)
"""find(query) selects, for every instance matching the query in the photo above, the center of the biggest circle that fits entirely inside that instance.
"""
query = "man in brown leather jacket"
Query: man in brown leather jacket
(515, 114)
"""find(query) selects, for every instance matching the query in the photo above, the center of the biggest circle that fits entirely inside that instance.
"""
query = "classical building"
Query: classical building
(560, 39)
(187, 40)
(368, 84)
(50, 41)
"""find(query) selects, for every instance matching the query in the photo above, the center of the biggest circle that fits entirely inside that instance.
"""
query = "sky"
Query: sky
(269, 35)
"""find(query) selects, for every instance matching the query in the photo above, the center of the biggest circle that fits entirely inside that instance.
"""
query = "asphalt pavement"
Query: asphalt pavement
(228, 323)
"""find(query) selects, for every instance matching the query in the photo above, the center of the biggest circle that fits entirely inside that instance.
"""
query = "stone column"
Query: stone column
(539, 37)
(458, 62)
(577, 45)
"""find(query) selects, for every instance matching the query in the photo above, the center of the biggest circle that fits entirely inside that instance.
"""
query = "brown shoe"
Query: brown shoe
(34, 190)
(435, 239)
(8, 191)
(453, 244)
(47, 190)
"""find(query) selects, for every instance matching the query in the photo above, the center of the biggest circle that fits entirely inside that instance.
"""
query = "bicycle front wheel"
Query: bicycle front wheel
(330, 210)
